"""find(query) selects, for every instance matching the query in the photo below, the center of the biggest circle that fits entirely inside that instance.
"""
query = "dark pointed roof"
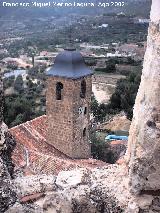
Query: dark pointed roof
(69, 64)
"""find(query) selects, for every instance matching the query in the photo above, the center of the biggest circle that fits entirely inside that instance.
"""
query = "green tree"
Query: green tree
(18, 84)
(30, 84)
(94, 105)
(8, 82)
(124, 96)
(17, 110)
(18, 120)
(99, 111)
(100, 149)
(12, 66)
(122, 99)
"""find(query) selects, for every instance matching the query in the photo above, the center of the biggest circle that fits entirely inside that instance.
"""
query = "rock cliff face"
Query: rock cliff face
(7, 193)
(7, 190)
(1, 113)
(144, 141)
(7, 142)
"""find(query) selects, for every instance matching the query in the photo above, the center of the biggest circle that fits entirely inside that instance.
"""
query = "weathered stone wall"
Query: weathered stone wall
(144, 140)
(1, 114)
(65, 122)
(7, 194)
(77, 191)
(104, 190)
(1, 99)
(7, 142)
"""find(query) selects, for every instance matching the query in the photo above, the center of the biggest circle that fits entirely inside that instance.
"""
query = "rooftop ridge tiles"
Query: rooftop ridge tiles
(12, 128)
(34, 132)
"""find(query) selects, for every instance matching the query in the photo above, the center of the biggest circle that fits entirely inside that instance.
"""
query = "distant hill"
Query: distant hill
(138, 7)
(132, 7)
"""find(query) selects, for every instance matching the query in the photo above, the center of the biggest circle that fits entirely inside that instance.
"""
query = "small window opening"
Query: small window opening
(84, 132)
(59, 88)
(85, 110)
(83, 89)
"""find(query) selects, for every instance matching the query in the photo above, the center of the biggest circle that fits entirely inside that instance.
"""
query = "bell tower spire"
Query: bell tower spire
(69, 88)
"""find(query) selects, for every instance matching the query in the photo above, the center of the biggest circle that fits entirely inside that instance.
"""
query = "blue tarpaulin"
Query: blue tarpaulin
(116, 137)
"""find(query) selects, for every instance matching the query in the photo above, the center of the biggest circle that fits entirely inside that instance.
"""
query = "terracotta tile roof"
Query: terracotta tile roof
(36, 156)
(118, 142)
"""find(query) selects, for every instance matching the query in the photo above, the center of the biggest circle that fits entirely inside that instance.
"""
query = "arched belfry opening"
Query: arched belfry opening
(84, 132)
(69, 80)
(83, 89)
(59, 89)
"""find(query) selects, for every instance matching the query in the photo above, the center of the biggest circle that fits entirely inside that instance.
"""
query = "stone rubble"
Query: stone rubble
(34, 184)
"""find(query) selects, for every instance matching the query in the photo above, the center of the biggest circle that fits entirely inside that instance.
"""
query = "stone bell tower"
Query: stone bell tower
(69, 88)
